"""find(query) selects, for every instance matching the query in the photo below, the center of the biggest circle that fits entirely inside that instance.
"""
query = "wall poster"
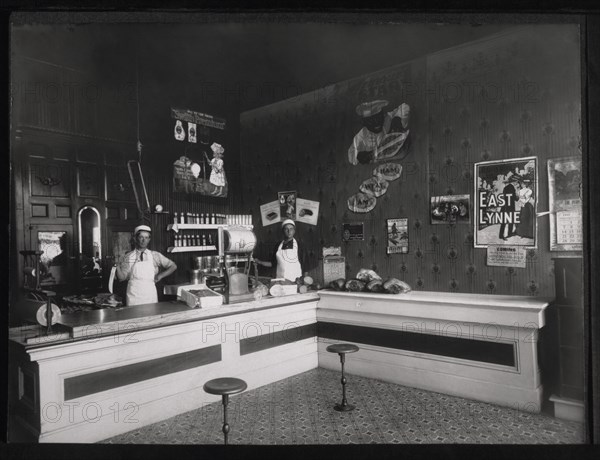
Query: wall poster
(506, 202)
(201, 169)
(287, 205)
(506, 256)
(308, 211)
(397, 236)
(270, 213)
(564, 183)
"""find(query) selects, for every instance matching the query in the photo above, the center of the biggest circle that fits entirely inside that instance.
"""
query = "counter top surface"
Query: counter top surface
(462, 299)
(88, 324)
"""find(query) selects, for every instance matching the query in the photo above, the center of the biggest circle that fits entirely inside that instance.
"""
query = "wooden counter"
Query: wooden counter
(481, 347)
(142, 364)
(105, 373)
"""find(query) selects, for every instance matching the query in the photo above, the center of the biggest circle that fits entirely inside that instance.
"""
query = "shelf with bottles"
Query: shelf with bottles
(192, 220)
(177, 227)
(191, 248)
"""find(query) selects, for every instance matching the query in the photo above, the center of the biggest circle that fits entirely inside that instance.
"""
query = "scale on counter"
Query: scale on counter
(238, 244)
(233, 281)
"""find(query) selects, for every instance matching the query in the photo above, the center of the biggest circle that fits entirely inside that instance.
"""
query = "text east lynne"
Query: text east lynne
(496, 217)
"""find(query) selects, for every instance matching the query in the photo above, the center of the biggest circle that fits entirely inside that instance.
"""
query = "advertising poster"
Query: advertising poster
(269, 213)
(564, 183)
(397, 236)
(353, 231)
(506, 203)
(450, 209)
(506, 256)
(383, 134)
(287, 205)
(201, 168)
(308, 211)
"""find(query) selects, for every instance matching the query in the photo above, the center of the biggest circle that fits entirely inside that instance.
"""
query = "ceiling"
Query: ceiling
(272, 60)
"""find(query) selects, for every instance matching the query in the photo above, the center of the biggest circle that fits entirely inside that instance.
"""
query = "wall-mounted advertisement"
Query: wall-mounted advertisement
(564, 183)
(384, 134)
(270, 213)
(397, 236)
(308, 211)
(506, 197)
(201, 168)
(506, 256)
(287, 205)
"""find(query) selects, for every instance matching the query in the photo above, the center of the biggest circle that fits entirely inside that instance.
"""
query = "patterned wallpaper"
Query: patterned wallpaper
(510, 96)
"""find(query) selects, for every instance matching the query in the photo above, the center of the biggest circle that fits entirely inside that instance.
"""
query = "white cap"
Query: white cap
(288, 221)
(141, 228)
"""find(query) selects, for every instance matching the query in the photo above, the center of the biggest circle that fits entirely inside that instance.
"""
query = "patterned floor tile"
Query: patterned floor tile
(299, 410)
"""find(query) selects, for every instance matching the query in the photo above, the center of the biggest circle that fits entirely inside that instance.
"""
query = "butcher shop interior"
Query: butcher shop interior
(299, 230)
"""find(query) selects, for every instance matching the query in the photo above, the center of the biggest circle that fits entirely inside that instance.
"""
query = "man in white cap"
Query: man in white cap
(143, 268)
(289, 257)
(377, 124)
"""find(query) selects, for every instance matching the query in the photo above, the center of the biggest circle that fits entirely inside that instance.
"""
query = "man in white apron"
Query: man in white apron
(143, 268)
(289, 255)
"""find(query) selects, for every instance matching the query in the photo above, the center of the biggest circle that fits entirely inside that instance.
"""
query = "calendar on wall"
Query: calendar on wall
(566, 223)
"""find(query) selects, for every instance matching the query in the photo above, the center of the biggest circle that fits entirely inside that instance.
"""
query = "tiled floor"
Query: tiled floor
(298, 410)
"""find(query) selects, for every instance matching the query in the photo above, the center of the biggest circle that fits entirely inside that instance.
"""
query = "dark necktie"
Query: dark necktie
(287, 245)
(142, 256)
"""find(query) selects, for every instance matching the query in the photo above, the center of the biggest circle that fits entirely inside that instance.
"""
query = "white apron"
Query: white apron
(141, 288)
(288, 264)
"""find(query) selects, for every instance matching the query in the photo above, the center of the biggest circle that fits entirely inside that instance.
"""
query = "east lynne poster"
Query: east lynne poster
(506, 196)
(564, 182)
(201, 168)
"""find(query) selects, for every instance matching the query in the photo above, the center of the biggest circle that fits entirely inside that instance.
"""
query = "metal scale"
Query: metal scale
(236, 248)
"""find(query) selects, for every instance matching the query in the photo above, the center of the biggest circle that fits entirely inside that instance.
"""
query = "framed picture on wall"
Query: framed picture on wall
(450, 209)
(506, 196)
(353, 231)
(397, 236)
(564, 184)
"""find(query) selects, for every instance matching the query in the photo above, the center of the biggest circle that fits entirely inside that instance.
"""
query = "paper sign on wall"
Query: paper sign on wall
(192, 132)
(506, 256)
(270, 213)
(307, 211)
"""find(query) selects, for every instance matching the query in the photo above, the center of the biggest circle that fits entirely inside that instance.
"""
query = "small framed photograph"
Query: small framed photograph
(353, 231)
(450, 209)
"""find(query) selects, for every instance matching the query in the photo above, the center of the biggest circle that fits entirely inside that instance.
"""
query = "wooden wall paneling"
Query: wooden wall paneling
(49, 178)
(55, 97)
(118, 184)
(89, 183)
(17, 224)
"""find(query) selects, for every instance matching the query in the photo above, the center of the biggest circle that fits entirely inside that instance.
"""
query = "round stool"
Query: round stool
(225, 386)
(341, 349)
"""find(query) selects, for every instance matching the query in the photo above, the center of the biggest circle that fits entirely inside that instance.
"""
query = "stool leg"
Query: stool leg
(344, 406)
(225, 424)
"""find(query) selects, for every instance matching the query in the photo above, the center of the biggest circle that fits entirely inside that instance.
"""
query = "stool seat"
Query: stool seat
(342, 348)
(225, 386)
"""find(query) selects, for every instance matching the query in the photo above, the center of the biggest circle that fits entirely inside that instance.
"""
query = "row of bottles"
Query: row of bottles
(194, 239)
(198, 218)
(212, 218)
